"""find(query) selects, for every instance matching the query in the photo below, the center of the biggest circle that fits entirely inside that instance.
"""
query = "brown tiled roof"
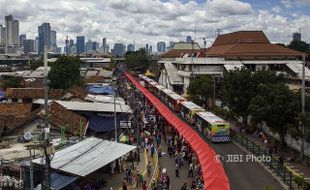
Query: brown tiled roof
(78, 92)
(247, 44)
(32, 93)
(60, 116)
(94, 79)
(15, 114)
(241, 37)
(174, 53)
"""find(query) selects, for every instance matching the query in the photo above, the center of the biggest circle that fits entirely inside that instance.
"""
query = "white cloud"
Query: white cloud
(148, 21)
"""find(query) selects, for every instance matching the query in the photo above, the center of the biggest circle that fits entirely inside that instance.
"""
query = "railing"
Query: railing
(283, 172)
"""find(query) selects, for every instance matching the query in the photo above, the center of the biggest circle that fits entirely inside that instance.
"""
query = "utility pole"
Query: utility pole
(46, 177)
(218, 31)
(115, 123)
(303, 107)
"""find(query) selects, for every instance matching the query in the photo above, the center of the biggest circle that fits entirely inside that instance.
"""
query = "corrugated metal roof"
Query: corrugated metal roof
(87, 156)
(190, 105)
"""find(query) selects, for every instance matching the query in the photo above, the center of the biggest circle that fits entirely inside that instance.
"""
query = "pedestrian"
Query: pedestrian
(144, 185)
(191, 170)
(149, 169)
(124, 184)
(177, 170)
(152, 150)
(140, 179)
(184, 186)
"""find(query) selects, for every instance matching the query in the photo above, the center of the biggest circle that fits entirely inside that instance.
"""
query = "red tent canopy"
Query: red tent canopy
(214, 175)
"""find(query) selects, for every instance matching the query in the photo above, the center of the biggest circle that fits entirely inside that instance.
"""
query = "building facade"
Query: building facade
(119, 50)
(80, 44)
(296, 36)
(29, 46)
(54, 41)
(88, 46)
(44, 32)
(12, 34)
(161, 47)
(130, 47)
(22, 37)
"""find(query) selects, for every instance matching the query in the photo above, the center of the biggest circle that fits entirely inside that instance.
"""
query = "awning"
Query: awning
(233, 67)
(87, 156)
(297, 69)
(103, 123)
(59, 181)
(100, 89)
(214, 175)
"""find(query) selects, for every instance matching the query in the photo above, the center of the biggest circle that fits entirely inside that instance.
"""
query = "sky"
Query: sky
(150, 21)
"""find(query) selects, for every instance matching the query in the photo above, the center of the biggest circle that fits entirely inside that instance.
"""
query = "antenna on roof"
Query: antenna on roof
(218, 31)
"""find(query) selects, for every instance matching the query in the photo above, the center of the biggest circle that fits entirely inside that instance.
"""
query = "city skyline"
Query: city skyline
(151, 22)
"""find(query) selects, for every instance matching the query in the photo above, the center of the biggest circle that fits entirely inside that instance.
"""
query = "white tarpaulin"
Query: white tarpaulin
(233, 67)
(87, 156)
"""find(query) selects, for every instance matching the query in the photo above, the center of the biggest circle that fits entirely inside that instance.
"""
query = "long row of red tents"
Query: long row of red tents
(213, 172)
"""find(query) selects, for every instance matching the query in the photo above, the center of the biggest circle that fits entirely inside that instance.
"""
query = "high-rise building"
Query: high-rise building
(94, 46)
(130, 47)
(44, 32)
(161, 47)
(119, 50)
(29, 46)
(71, 44)
(22, 37)
(2, 35)
(12, 34)
(36, 45)
(150, 50)
(53, 39)
(107, 48)
(296, 36)
(104, 44)
(80, 44)
(189, 39)
(88, 46)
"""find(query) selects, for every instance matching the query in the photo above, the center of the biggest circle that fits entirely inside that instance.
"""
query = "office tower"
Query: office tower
(22, 37)
(150, 50)
(80, 44)
(88, 46)
(12, 34)
(53, 40)
(147, 47)
(44, 32)
(71, 44)
(119, 49)
(2, 35)
(36, 45)
(130, 47)
(104, 44)
(29, 46)
(189, 39)
(95, 46)
(107, 48)
(161, 47)
(296, 36)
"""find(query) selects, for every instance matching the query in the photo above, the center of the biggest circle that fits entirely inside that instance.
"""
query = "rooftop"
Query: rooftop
(32, 93)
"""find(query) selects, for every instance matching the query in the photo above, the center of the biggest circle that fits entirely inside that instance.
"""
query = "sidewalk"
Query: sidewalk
(296, 167)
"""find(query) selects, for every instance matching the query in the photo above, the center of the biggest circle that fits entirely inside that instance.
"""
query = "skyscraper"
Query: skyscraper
(296, 36)
(44, 32)
(80, 44)
(130, 47)
(71, 44)
(12, 34)
(54, 40)
(161, 47)
(36, 45)
(119, 49)
(189, 39)
(104, 44)
(88, 45)
(94, 46)
(22, 37)
(29, 46)
(2, 35)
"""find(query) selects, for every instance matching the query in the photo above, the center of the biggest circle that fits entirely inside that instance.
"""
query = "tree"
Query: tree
(138, 61)
(277, 106)
(238, 90)
(34, 64)
(13, 82)
(65, 72)
(299, 46)
(201, 89)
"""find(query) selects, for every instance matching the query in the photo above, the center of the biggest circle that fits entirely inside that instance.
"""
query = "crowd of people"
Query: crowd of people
(153, 133)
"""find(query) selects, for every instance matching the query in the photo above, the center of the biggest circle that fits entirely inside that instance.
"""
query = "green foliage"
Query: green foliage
(138, 61)
(14, 82)
(299, 46)
(34, 64)
(65, 73)
(201, 89)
